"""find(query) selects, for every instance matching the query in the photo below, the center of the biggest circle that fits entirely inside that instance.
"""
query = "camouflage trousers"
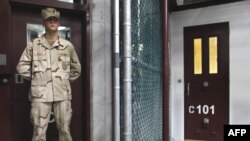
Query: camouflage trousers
(40, 116)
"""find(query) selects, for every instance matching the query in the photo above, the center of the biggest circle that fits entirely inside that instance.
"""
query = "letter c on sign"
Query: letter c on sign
(191, 109)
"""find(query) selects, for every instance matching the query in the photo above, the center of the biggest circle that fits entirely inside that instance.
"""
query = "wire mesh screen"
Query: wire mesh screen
(146, 71)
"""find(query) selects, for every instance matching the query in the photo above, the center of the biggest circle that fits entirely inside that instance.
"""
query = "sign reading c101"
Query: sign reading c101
(201, 109)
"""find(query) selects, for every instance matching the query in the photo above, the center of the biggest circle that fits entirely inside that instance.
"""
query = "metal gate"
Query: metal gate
(147, 72)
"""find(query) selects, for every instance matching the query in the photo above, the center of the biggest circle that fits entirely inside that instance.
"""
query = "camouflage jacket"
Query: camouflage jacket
(50, 69)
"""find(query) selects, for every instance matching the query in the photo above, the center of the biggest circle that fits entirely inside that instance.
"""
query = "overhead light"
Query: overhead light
(61, 28)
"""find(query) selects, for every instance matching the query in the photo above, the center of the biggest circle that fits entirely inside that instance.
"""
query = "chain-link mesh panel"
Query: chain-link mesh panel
(146, 71)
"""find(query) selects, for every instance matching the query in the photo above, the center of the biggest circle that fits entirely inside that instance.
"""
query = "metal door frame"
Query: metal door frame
(6, 7)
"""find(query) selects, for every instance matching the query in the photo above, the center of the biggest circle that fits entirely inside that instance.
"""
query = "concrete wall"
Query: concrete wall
(101, 70)
(238, 15)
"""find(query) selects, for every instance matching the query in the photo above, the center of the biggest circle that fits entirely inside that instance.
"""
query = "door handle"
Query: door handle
(206, 121)
(188, 88)
(205, 84)
(4, 78)
(52, 117)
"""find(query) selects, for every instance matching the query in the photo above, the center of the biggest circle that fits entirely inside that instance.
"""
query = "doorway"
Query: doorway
(26, 24)
(206, 76)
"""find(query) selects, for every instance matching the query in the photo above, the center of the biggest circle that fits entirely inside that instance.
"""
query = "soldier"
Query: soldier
(51, 63)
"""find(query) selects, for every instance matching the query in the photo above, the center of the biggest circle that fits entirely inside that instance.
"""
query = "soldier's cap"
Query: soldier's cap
(50, 12)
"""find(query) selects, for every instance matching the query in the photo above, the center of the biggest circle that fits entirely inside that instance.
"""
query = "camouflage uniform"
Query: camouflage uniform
(50, 69)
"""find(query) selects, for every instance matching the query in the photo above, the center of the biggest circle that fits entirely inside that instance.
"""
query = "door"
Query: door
(206, 74)
(26, 25)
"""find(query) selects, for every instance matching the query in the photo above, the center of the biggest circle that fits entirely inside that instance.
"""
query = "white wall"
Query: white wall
(238, 15)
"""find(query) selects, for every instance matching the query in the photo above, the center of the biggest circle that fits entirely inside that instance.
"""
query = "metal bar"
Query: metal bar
(166, 4)
(116, 71)
(127, 80)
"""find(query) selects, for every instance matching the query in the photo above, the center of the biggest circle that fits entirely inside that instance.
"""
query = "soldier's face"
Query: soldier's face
(51, 24)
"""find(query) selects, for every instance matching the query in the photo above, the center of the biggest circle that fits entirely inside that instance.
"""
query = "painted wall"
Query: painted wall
(238, 15)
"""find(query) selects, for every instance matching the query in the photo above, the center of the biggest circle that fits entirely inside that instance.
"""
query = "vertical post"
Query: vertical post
(127, 80)
(166, 70)
(116, 71)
